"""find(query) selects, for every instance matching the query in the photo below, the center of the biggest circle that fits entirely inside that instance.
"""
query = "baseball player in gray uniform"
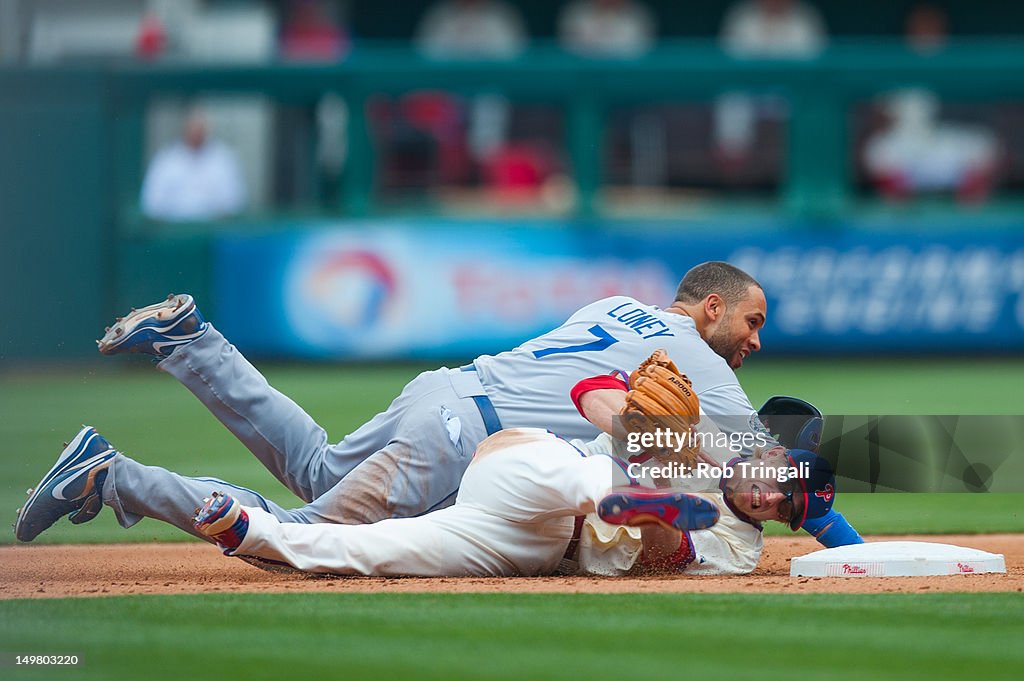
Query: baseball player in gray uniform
(410, 459)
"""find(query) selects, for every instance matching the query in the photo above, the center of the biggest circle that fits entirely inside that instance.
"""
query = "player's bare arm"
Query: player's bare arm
(662, 548)
(600, 407)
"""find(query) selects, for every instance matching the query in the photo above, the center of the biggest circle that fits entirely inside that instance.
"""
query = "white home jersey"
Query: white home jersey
(513, 516)
(530, 384)
(732, 546)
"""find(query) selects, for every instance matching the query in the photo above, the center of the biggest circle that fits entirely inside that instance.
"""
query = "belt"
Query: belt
(570, 563)
(574, 543)
(487, 412)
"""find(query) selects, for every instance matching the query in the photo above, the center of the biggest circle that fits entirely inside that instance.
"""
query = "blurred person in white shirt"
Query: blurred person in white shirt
(606, 28)
(471, 29)
(195, 178)
(917, 152)
(773, 28)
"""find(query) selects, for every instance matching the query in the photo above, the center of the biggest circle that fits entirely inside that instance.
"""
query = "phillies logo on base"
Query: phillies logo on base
(964, 569)
(826, 493)
(853, 569)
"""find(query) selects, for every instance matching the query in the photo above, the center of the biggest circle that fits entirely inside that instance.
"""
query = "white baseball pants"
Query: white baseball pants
(513, 516)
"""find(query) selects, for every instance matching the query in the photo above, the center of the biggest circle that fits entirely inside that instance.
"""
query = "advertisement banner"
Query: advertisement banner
(436, 289)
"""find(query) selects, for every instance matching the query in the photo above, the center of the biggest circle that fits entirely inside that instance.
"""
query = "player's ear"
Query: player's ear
(714, 307)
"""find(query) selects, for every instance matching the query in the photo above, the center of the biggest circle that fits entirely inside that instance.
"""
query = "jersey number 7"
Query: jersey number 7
(604, 340)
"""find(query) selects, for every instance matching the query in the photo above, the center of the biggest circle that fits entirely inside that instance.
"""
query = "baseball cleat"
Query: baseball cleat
(155, 329)
(72, 487)
(637, 506)
(223, 520)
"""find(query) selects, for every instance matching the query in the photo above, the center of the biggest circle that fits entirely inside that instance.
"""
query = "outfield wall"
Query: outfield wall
(439, 289)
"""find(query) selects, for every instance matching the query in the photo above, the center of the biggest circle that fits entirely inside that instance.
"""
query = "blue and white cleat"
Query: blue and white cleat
(637, 505)
(73, 486)
(155, 329)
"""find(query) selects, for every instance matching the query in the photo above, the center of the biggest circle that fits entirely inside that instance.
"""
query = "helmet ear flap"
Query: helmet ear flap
(809, 437)
(794, 423)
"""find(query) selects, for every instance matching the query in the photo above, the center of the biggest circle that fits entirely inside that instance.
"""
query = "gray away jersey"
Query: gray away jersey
(529, 385)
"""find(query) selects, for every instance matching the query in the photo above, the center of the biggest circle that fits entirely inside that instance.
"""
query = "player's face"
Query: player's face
(762, 496)
(736, 334)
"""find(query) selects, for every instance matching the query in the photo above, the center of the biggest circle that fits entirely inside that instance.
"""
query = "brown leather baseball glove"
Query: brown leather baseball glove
(662, 398)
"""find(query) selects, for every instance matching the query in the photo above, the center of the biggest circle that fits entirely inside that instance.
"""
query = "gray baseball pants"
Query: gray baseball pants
(404, 462)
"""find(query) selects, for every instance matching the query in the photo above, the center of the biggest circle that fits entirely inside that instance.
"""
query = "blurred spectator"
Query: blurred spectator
(773, 28)
(204, 30)
(152, 37)
(196, 178)
(606, 28)
(926, 29)
(311, 32)
(518, 173)
(310, 143)
(471, 29)
(465, 29)
(422, 138)
(761, 29)
(916, 152)
(619, 29)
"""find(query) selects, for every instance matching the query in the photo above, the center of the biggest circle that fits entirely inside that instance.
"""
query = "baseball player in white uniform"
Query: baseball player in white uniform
(513, 514)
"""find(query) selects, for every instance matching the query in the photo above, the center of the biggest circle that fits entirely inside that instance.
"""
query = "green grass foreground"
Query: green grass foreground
(149, 416)
(516, 637)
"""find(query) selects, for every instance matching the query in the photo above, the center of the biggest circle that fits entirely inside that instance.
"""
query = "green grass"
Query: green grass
(892, 386)
(153, 419)
(492, 636)
(149, 416)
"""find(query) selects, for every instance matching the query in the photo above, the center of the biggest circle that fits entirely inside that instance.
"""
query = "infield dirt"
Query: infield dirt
(120, 569)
